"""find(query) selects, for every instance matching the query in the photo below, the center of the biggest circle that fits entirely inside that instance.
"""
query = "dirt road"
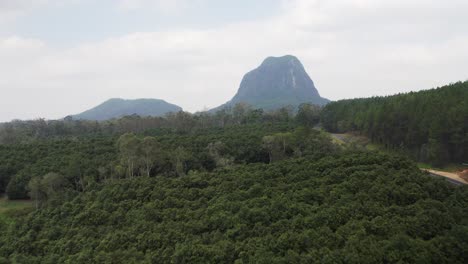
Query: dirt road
(454, 178)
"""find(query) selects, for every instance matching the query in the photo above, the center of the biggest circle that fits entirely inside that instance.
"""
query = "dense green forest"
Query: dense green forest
(238, 186)
(432, 124)
(85, 151)
(343, 208)
(72, 158)
(181, 122)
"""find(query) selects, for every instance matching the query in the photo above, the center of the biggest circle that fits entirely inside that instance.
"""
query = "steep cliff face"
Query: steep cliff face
(277, 82)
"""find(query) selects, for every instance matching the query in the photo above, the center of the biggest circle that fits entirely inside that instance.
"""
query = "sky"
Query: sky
(61, 57)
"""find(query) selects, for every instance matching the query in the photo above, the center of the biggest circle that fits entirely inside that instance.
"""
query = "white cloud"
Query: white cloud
(10, 10)
(350, 48)
(164, 6)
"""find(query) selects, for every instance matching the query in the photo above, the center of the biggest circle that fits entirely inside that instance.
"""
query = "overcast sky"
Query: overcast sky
(61, 57)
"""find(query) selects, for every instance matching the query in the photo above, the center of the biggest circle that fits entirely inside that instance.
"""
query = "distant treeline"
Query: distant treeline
(83, 153)
(239, 186)
(19, 131)
(432, 125)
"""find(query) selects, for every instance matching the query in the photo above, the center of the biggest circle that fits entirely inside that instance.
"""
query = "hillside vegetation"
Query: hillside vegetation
(84, 152)
(345, 208)
(239, 186)
(432, 125)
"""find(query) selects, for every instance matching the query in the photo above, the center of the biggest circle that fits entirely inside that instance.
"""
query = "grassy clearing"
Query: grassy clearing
(355, 140)
(337, 140)
(7, 205)
(9, 208)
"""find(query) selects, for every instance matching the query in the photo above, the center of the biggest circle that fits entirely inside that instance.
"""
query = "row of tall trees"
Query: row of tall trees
(84, 151)
(144, 156)
(181, 122)
(148, 156)
(298, 143)
(431, 124)
(83, 162)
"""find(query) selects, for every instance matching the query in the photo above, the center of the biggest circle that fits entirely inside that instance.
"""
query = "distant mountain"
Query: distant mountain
(115, 108)
(277, 82)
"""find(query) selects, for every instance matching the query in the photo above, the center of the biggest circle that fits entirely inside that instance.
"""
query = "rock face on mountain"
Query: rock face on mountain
(115, 108)
(277, 82)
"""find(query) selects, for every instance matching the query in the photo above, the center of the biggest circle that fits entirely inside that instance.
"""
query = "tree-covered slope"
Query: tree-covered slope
(96, 157)
(19, 163)
(84, 152)
(241, 186)
(346, 208)
(116, 108)
(432, 124)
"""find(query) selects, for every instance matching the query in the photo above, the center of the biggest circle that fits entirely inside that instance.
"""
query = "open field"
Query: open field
(7, 206)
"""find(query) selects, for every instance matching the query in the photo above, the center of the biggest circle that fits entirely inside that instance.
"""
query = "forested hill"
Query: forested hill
(116, 108)
(432, 124)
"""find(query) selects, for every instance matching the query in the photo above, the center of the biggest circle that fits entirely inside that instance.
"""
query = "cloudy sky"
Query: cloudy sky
(60, 57)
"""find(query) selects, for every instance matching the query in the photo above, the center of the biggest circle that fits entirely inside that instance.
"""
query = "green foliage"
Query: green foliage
(17, 187)
(308, 115)
(432, 124)
(75, 160)
(344, 208)
(240, 186)
(49, 188)
(130, 152)
(303, 142)
(152, 154)
(89, 160)
(181, 122)
(218, 152)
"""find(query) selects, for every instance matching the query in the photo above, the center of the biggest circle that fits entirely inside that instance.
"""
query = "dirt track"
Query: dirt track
(449, 175)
